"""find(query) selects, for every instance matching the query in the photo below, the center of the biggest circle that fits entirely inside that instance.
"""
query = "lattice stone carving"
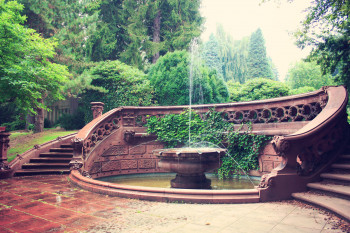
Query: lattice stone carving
(105, 129)
(303, 112)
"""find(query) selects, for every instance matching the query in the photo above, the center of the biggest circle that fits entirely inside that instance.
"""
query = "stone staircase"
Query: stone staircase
(56, 161)
(333, 192)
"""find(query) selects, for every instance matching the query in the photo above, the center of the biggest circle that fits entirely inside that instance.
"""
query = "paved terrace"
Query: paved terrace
(52, 204)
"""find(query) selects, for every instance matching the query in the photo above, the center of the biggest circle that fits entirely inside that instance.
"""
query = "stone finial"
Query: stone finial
(97, 109)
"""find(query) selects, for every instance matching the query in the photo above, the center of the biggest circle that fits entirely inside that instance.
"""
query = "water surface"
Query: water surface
(162, 180)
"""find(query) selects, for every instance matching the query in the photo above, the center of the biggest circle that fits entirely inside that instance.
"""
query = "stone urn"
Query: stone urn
(190, 164)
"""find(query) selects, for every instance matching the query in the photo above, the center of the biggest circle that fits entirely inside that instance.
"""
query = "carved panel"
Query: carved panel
(96, 168)
(111, 165)
(139, 149)
(116, 150)
(128, 164)
(147, 163)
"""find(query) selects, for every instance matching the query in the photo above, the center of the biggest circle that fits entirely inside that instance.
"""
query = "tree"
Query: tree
(327, 29)
(211, 55)
(27, 76)
(257, 89)
(170, 79)
(157, 27)
(303, 74)
(258, 65)
(117, 84)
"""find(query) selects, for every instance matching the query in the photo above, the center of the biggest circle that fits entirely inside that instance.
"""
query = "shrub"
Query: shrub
(71, 122)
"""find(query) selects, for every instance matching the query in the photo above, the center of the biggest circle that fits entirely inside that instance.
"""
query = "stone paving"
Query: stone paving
(52, 204)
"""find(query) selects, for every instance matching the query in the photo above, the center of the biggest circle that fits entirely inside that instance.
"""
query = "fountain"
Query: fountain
(190, 164)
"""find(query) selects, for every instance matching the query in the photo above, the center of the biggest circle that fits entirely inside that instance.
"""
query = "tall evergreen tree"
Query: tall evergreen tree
(159, 26)
(211, 55)
(258, 63)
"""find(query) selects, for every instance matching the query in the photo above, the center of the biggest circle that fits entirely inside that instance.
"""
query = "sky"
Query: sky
(277, 21)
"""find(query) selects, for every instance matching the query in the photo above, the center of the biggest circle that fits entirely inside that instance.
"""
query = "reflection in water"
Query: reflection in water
(162, 180)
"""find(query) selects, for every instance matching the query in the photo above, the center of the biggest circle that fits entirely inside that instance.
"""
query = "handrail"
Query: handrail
(310, 150)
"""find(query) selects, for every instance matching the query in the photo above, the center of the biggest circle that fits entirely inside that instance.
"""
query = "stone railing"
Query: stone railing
(117, 143)
(308, 151)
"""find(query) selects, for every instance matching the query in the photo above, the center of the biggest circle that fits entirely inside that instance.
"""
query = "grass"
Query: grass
(20, 141)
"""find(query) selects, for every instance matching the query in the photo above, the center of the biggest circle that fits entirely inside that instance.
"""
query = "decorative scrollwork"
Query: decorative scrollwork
(266, 181)
(75, 164)
(280, 145)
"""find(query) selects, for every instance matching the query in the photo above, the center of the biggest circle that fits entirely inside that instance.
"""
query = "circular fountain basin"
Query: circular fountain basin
(190, 164)
(165, 194)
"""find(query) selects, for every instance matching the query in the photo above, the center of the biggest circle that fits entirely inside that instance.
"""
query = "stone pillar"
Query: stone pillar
(77, 161)
(97, 109)
(4, 145)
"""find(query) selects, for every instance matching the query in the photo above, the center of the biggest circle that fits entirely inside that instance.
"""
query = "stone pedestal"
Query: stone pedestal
(4, 145)
(97, 109)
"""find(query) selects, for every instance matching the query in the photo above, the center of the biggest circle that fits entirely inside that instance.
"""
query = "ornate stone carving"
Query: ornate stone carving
(280, 145)
(266, 181)
(116, 150)
(76, 164)
(128, 164)
(129, 136)
(300, 112)
(146, 163)
(97, 109)
(111, 165)
(86, 174)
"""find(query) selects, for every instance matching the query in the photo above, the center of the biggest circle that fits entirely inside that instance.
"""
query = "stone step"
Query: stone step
(66, 146)
(56, 155)
(45, 165)
(337, 205)
(32, 172)
(50, 160)
(343, 190)
(336, 177)
(345, 157)
(65, 150)
(345, 166)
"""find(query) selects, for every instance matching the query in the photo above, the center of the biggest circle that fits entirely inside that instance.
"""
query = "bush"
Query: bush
(257, 89)
(71, 122)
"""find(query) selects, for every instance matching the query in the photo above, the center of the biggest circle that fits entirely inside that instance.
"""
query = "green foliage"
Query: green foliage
(180, 21)
(258, 65)
(244, 149)
(257, 89)
(211, 56)
(303, 74)
(301, 90)
(121, 85)
(170, 79)
(71, 122)
(327, 30)
(210, 129)
(26, 73)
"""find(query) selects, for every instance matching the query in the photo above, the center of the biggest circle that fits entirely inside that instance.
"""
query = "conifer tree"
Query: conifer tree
(258, 65)
(211, 55)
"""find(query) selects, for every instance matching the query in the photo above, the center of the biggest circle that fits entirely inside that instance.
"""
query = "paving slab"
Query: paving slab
(52, 204)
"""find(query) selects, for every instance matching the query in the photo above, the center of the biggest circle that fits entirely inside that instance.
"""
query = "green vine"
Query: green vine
(210, 129)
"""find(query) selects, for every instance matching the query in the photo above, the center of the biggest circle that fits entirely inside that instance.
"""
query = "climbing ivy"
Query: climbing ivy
(210, 129)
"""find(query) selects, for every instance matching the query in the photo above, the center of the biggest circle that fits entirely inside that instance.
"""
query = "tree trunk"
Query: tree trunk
(39, 118)
(156, 34)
